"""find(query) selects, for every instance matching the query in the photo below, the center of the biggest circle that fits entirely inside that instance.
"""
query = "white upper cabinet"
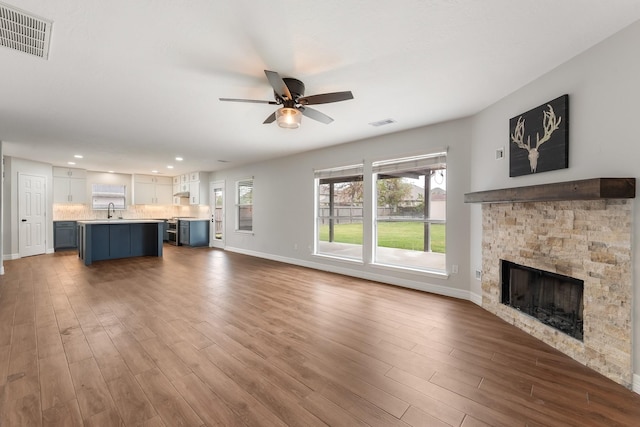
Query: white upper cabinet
(199, 188)
(197, 184)
(152, 190)
(69, 185)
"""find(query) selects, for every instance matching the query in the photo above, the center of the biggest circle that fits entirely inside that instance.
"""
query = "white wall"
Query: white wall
(604, 90)
(284, 204)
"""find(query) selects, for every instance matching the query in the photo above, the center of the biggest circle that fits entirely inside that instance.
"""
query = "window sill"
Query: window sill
(421, 271)
(244, 232)
(438, 274)
(341, 259)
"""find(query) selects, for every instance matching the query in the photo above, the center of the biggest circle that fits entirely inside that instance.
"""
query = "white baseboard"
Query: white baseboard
(636, 383)
(406, 283)
(9, 257)
(1, 270)
(475, 298)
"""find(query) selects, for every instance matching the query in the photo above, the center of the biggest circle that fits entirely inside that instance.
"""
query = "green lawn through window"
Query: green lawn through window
(400, 235)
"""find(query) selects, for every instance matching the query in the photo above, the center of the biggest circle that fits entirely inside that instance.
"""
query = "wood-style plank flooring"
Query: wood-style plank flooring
(205, 337)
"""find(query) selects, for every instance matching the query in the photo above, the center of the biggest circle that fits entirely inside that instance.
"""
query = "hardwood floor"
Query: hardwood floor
(205, 337)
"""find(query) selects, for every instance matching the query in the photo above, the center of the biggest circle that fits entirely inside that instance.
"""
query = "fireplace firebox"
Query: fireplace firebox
(553, 299)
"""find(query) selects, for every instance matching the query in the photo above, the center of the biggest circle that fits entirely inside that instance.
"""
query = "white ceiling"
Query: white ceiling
(130, 85)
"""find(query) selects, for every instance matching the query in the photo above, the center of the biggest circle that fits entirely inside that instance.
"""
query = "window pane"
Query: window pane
(103, 194)
(245, 193)
(244, 204)
(411, 213)
(339, 216)
(245, 218)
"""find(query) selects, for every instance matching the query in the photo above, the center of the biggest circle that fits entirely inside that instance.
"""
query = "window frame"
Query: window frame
(239, 205)
(332, 176)
(402, 166)
(108, 193)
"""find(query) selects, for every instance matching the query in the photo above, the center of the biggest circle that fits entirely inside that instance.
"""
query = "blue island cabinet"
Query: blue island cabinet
(103, 240)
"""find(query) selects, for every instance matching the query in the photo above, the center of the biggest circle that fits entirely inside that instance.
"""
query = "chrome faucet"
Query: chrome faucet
(109, 206)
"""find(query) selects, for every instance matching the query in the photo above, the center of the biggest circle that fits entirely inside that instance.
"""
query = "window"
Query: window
(244, 205)
(103, 194)
(410, 212)
(339, 212)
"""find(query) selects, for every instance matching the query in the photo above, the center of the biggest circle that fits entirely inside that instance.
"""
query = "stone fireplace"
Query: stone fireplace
(586, 240)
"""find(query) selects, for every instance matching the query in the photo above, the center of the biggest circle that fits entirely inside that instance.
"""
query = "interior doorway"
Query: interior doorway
(216, 198)
(31, 215)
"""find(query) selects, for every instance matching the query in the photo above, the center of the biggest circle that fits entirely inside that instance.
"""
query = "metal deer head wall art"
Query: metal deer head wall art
(549, 123)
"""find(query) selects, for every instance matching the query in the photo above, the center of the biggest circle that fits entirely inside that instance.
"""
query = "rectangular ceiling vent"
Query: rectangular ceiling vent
(24, 32)
(382, 122)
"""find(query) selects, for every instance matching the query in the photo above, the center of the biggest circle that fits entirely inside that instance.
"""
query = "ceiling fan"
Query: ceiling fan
(289, 93)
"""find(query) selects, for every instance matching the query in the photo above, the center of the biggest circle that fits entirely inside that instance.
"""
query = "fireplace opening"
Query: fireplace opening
(553, 299)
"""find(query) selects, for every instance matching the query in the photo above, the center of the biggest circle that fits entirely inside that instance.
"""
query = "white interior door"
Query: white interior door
(31, 210)
(216, 200)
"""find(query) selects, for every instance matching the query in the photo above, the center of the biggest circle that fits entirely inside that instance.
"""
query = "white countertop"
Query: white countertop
(120, 221)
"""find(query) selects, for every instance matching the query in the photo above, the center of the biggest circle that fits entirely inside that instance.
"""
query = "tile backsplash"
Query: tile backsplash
(71, 212)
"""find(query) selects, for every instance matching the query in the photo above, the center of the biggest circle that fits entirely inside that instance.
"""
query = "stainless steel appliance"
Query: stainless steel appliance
(172, 231)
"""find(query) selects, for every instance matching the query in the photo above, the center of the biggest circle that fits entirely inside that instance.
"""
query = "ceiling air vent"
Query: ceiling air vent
(24, 32)
(382, 122)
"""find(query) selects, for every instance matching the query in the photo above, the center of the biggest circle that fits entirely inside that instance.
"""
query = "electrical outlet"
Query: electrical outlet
(478, 274)
(454, 269)
(295, 246)
(500, 153)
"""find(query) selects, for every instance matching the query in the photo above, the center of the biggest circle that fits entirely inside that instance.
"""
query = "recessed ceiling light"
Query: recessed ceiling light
(169, 167)
(154, 171)
(71, 163)
(223, 161)
(179, 159)
(78, 156)
(110, 171)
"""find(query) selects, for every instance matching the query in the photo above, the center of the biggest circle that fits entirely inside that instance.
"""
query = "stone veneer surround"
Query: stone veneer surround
(588, 240)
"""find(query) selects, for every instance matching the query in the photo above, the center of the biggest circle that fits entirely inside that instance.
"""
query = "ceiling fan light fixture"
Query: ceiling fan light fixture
(288, 118)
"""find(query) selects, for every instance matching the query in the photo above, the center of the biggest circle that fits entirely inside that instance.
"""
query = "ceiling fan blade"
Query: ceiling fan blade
(253, 101)
(278, 85)
(325, 98)
(270, 119)
(315, 115)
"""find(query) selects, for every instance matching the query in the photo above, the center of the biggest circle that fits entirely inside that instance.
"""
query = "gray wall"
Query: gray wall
(287, 234)
(604, 90)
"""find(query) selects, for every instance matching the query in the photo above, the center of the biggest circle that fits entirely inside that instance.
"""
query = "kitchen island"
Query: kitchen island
(119, 238)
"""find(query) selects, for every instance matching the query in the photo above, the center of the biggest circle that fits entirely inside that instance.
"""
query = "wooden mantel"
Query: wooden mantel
(586, 189)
